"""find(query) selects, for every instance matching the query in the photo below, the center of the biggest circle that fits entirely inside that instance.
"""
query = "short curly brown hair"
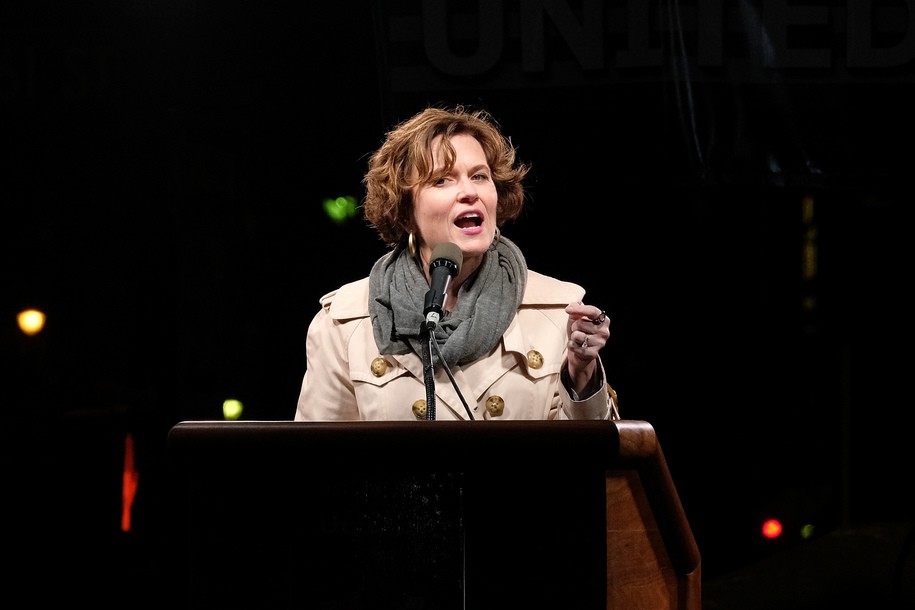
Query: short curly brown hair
(405, 161)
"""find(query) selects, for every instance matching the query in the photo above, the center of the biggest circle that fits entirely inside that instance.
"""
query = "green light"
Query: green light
(340, 209)
(807, 531)
(231, 408)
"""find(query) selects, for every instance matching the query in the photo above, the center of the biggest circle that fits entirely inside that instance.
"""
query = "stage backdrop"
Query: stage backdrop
(726, 179)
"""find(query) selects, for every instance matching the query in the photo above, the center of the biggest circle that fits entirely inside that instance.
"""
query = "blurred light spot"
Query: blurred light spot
(807, 531)
(340, 209)
(131, 479)
(31, 321)
(772, 528)
(232, 409)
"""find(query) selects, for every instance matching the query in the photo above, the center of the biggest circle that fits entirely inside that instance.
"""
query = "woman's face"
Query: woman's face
(460, 207)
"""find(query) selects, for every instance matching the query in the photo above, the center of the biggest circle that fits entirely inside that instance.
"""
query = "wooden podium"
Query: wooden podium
(444, 515)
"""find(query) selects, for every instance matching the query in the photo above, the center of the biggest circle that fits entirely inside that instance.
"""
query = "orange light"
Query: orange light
(31, 321)
(130, 481)
(771, 528)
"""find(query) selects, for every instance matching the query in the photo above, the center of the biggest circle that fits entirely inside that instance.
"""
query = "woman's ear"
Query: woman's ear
(410, 223)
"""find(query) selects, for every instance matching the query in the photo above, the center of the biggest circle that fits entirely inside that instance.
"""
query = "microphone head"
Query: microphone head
(450, 252)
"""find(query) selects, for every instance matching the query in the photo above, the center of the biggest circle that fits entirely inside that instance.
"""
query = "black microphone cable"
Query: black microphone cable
(433, 342)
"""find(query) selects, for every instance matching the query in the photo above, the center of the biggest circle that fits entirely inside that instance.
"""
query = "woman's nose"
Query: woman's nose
(468, 191)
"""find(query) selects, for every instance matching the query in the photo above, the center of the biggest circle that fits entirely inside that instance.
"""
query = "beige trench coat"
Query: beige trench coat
(347, 379)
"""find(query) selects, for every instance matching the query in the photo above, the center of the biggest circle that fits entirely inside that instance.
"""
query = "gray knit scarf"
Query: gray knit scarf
(485, 307)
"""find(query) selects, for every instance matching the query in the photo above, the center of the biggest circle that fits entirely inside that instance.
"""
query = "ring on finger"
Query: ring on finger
(584, 343)
(600, 319)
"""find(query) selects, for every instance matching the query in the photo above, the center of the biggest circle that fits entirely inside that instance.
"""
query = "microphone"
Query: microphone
(446, 262)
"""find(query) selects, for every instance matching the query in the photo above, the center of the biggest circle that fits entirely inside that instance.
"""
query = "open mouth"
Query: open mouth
(469, 221)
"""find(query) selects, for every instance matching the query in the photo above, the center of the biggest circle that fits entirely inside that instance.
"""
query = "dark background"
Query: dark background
(164, 167)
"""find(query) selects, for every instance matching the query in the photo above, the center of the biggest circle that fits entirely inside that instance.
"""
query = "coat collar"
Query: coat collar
(352, 300)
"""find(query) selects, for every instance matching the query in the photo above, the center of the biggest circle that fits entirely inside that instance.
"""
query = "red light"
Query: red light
(130, 480)
(771, 528)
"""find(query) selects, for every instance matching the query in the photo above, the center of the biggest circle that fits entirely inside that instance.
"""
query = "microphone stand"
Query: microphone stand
(428, 370)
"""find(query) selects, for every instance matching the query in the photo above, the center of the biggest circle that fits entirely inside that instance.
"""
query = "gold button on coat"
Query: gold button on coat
(419, 408)
(379, 367)
(534, 359)
(495, 406)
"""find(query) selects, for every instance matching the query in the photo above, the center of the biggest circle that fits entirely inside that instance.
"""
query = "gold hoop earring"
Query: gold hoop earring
(411, 245)
(497, 236)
